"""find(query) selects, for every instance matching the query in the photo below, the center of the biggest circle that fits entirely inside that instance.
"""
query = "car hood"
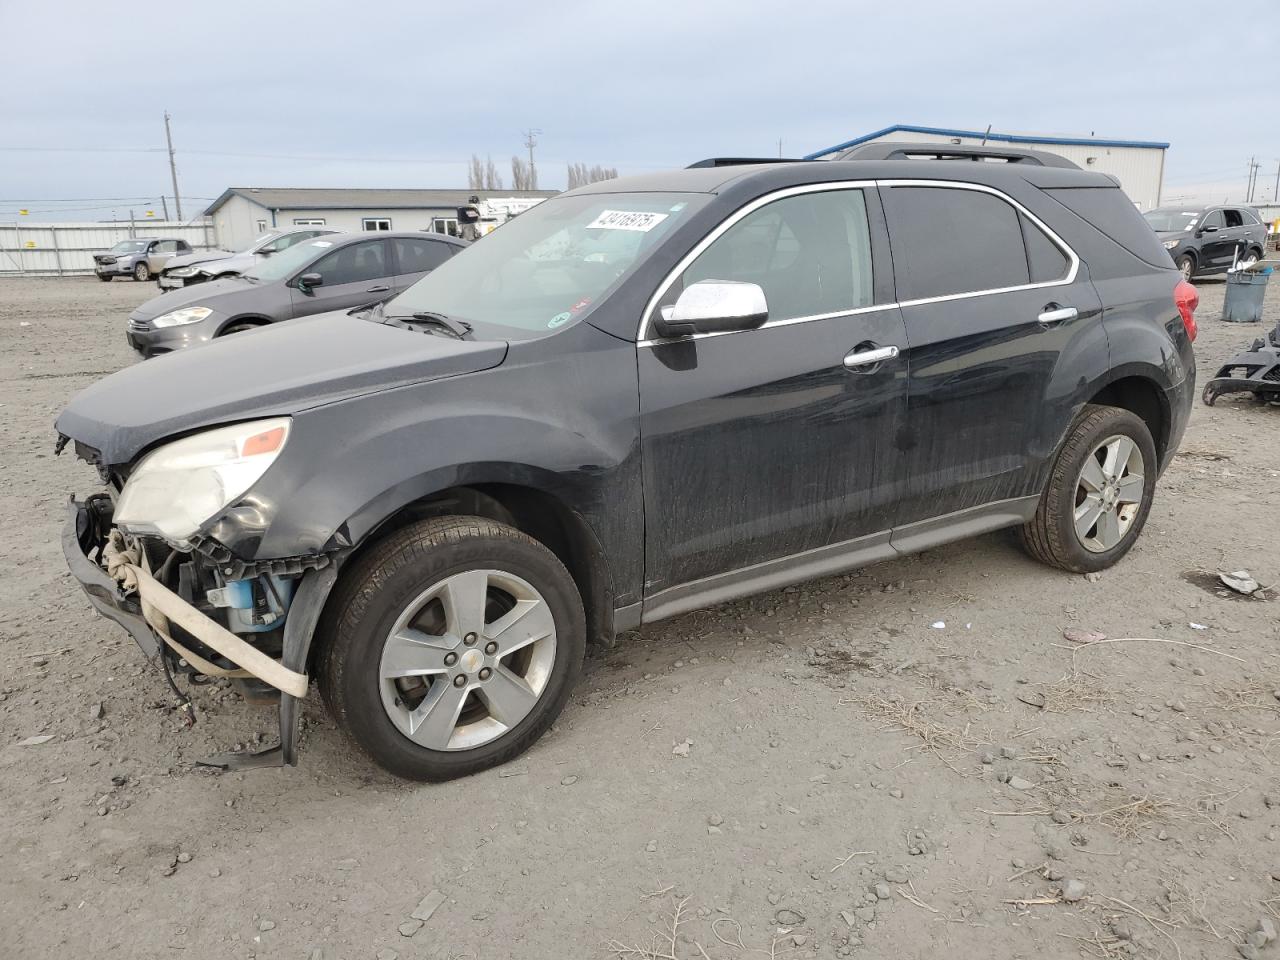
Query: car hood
(202, 256)
(193, 296)
(281, 369)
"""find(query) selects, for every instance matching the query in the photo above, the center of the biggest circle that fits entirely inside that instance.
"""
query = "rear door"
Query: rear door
(991, 303)
(353, 275)
(416, 257)
(762, 444)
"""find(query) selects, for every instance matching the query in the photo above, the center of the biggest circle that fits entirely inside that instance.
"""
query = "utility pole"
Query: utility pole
(173, 167)
(531, 141)
(165, 203)
(1275, 196)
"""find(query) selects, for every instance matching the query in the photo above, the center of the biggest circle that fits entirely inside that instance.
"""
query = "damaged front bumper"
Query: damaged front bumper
(151, 612)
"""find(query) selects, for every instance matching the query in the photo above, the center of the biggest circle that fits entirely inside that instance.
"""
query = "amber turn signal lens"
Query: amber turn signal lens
(267, 442)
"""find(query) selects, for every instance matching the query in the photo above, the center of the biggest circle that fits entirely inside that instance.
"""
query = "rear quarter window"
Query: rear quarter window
(1112, 213)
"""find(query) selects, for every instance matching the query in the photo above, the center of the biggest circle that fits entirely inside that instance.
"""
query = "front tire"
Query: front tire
(1187, 265)
(453, 645)
(1098, 495)
(104, 279)
(141, 272)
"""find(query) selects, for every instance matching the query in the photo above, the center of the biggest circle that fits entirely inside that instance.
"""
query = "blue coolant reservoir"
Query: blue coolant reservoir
(252, 607)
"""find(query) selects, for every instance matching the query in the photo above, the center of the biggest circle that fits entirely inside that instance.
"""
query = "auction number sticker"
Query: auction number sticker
(626, 220)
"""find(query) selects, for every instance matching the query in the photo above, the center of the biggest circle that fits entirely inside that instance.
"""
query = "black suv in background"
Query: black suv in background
(639, 398)
(1209, 240)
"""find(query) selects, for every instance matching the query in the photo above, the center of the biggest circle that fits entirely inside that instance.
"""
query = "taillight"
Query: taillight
(1186, 297)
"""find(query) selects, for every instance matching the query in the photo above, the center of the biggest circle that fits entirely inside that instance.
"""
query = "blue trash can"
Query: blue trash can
(1246, 290)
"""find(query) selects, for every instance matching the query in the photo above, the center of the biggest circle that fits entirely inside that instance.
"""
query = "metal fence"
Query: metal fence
(67, 249)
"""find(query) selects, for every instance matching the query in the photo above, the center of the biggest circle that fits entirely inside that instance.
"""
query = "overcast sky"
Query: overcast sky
(400, 93)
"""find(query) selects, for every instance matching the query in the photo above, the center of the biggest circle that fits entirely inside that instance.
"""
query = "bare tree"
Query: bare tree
(483, 175)
(580, 174)
(524, 175)
(492, 181)
(475, 173)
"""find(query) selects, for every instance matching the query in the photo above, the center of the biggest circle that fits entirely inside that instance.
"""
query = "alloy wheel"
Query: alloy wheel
(467, 660)
(1109, 493)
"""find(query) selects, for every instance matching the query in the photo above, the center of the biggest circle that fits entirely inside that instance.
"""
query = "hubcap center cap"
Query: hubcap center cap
(471, 661)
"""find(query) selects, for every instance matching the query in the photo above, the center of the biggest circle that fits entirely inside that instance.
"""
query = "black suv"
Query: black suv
(639, 398)
(1209, 240)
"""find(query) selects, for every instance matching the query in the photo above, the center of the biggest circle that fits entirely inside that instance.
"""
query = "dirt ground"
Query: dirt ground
(910, 761)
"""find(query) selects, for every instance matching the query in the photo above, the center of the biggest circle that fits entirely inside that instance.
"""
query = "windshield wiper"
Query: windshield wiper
(459, 329)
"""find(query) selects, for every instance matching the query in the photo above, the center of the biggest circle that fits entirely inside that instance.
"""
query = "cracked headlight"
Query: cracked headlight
(181, 272)
(178, 317)
(179, 487)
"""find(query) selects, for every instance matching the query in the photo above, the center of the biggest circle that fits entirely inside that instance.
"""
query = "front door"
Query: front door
(992, 305)
(1216, 242)
(761, 447)
(353, 275)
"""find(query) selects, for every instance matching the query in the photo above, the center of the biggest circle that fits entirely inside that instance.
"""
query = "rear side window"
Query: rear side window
(418, 255)
(357, 261)
(953, 241)
(1113, 213)
(1045, 259)
(810, 253)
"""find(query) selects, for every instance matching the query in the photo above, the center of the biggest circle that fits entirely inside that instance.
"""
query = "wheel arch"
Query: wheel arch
(532, 509)
(257, 319)
(1140, 394)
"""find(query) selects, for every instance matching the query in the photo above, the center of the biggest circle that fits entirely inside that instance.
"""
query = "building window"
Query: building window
(446, 225)
(375, 223)
(262, 226)
(309, 222)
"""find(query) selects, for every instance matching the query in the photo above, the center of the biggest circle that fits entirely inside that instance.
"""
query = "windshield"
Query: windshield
(1171, 220)
(288, 262)
(129, 246)
(539, 271)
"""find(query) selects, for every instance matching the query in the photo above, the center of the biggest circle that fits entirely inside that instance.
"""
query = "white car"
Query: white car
(215, 264)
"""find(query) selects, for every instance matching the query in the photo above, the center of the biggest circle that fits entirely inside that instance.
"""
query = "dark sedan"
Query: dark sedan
(335, 272)
(1208, 240)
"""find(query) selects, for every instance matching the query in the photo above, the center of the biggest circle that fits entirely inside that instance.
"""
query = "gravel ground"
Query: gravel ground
(822, 771)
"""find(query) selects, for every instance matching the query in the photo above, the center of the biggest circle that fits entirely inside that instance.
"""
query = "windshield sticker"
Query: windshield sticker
(559, 320)
(580, 305)
(626, 220)
(322, 243)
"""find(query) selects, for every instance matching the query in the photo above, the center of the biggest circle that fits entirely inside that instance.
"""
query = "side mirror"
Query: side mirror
(309, 280)
(266, 251)
(1208, 229)
(714, 306)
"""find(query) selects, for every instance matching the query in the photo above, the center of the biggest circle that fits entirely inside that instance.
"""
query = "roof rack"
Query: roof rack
(882, 150)
(741, 161)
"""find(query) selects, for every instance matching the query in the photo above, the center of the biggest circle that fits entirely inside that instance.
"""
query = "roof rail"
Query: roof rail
(888, 150)
(741, 161)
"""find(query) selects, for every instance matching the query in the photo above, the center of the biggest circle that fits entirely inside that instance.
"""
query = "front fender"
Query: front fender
(561, 415)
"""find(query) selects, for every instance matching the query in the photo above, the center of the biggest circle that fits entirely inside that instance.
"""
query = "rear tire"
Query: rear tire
(1098, 495)
(416, 583)
(141, 272)
(1187, 264)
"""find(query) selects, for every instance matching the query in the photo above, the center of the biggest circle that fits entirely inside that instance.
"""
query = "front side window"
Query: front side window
(375, 223)
(167, 246)
(1213, 219)
(353, 263)
(810, 253)
(291, 261)
(949, 241)
(542, 270)
(418, 255)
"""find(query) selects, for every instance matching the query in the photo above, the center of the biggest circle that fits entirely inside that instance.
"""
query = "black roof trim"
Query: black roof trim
(740, 161)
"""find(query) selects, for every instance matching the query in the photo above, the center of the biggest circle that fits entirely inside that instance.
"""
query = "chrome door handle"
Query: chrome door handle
(1057, 315)
(863, 358)
(382, 288)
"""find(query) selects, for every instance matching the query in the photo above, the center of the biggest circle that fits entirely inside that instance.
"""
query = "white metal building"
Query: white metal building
(1137, 164)
(243, 213)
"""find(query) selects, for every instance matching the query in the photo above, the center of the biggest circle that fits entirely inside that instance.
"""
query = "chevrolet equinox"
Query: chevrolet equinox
(639, 398)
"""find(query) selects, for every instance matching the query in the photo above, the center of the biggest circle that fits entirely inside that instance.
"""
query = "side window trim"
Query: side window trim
(880, 265)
